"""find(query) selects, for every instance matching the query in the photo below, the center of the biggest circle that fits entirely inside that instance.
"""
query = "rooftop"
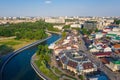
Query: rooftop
(88, 65)
(117, 46)
(72, 64)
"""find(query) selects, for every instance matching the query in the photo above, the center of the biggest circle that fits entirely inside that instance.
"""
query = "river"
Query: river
(19, 67)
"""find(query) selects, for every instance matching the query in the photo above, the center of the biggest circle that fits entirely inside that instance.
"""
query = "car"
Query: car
(57, 58)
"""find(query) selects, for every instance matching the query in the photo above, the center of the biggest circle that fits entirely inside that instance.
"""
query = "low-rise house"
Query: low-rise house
(76, 62)
(89, 67)
(116, 39)
(58, 50)
(104, 60)
(94, 50)
(107, 49)
(60, 27)
(99, 35)
(75, 25)
(107, 29)
(116, 48)
(116, 29)
(114, 65)
(102, 54)
(114, 33)
(72, 65)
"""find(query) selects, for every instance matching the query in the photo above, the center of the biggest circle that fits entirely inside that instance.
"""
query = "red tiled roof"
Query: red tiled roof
(104, 60)
(117, 46)
(103, 53)
(104, 32)
(72, 64)
(87, 65)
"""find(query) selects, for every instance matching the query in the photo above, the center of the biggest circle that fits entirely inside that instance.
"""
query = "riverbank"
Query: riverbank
(15, 44)
(36, 69)
(54, 32)
(18, 51)
(41, 74)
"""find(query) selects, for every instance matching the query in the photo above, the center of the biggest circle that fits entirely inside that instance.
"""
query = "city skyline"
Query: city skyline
(60, 8)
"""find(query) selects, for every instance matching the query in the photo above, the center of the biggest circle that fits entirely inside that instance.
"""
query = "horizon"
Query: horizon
(55, 8)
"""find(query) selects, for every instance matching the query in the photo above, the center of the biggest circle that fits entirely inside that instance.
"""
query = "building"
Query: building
(116, 47)
(102, 54)
(72, 65)
(75, 26)
(54, 20)
(76, 62)
(99, 35)
(116, 39)
(88, 67)
(60, 27)
(90, 25)
(114, 65)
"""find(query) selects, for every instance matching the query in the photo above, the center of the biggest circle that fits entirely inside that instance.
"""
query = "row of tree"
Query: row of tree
(26, 30)
(88, 32)
(117, 21)
(44, 53)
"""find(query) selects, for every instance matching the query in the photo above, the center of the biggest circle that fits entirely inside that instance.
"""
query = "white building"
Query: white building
(114, 32)
(75, 26)
(116, 29)
(58, 26)
(107, 49)
(99, 35)
(55, 20)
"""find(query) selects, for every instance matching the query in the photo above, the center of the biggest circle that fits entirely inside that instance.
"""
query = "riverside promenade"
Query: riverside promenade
(36, 69)
(18, 51)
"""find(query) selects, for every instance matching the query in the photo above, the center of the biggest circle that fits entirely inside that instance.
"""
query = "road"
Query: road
(111, 75)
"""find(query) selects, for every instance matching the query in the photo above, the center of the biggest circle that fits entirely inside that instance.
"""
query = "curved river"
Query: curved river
(19, 67)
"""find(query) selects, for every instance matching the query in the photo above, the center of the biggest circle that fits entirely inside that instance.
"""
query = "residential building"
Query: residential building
(54, 20)
(90, 25)
(75, 26)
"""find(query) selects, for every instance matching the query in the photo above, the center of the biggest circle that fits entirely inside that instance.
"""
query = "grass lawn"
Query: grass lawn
(46, 71)
(57, 71)
(16, 44)
(49, 73)
(69, 77)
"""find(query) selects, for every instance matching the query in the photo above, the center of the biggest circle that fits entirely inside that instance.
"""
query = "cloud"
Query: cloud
(48, 1)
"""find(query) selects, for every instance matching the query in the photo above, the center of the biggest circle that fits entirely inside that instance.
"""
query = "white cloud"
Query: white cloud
(48, 1)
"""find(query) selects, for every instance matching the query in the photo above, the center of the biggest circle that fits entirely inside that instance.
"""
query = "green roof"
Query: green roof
(117, 38)
(116, 62)
(111, 35)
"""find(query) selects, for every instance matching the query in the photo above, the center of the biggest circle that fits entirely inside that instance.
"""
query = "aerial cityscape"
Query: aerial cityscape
(60, 40)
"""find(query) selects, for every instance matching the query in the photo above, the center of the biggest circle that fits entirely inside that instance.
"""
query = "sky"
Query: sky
(59, 7)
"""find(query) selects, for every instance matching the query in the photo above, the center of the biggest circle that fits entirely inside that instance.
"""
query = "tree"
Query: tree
(4, 49)
(44, 53)
(27, 30)
(117, 21)
(64, 35)
(66, 27)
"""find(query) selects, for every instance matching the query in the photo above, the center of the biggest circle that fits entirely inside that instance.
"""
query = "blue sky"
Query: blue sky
(60, 7)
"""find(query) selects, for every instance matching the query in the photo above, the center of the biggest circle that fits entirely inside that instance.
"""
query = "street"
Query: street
(111, 75)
